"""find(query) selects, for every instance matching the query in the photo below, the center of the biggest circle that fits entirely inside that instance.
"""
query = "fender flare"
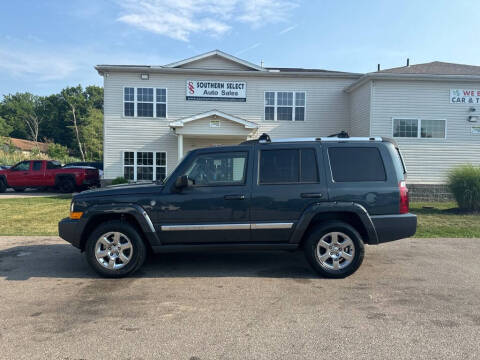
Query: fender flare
(328, 207)
(136, 211)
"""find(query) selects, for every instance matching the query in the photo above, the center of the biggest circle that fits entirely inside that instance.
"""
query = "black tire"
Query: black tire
(67, 185)
(3, 186)
(19, 189)
(325, 268)
(138, 255)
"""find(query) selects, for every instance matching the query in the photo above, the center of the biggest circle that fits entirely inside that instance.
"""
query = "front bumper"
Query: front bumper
(394, 227)
(70, 230)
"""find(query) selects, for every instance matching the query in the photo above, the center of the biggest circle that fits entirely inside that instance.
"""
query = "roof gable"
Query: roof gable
(215, 60)
(220, 114)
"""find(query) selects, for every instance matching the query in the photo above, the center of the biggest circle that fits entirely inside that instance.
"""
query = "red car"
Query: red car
(46, 173)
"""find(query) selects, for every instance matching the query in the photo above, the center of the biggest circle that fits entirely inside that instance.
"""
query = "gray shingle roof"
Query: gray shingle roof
(436, 68)
(285, 69)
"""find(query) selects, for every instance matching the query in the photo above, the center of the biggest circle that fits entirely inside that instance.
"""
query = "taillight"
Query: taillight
(404, 202)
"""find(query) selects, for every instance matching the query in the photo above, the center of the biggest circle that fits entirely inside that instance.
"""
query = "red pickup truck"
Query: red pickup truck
(46, 173)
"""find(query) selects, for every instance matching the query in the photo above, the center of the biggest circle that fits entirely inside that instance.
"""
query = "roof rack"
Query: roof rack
(328, 139)
(340, 137)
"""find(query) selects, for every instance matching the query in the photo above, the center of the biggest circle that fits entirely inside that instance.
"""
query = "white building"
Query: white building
(155, 114)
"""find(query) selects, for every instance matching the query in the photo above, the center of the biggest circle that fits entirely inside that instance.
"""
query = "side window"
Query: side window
(352, 164)
(23, 166)
(288, 166)
(308, 163)
(53, 165)
(218, 169)
(37, 166)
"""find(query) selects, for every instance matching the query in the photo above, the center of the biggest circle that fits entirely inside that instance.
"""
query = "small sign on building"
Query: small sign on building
(476, 130)
(464, 96)
(213, 90)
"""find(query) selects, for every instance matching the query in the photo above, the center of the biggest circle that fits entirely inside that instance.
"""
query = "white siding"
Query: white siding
(326, 112)
(195, 143)
(428, 160)
(214, 62)
(360, 110)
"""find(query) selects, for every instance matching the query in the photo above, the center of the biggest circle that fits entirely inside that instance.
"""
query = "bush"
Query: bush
(57, 151)
(464, 183)
(119, 180)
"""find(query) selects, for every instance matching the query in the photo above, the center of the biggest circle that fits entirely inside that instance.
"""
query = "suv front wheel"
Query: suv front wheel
(334, 249)
(115, 249)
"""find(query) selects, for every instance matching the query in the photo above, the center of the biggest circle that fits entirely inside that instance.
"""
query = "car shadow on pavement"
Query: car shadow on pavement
(64, 261)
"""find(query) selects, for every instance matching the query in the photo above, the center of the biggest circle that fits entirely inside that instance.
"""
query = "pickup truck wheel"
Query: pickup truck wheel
(67, 185)
(3, 186)
(334, 249)
(19, 189)
(115, 249)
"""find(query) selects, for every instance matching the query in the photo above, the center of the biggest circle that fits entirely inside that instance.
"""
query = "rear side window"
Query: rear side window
(288, 166)
(37, 166)
(352, 164)
(53, 165)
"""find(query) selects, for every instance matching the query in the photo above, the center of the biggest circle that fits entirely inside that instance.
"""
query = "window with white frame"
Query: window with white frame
(419, 128)
(161, 102)
(129, 165)
(160, 165)
(144, 165)
(285, 105)
(432, 129)
(129, 101)
(145, 102)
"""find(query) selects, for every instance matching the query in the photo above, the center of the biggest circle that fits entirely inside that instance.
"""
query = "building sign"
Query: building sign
(465, 96)
(211, 90)
(476, 130)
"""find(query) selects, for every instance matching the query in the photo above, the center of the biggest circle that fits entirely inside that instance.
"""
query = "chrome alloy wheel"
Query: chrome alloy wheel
(335, 251)
(113, 250)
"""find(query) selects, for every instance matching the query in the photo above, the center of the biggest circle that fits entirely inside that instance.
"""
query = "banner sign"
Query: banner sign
(212, 90)
(465, 96)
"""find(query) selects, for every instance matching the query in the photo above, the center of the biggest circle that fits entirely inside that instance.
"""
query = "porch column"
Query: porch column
(180, 147)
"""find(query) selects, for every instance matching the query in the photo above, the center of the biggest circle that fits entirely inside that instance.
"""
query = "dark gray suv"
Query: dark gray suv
(329, 196)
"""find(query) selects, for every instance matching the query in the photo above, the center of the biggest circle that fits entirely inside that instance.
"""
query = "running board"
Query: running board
(223, 246)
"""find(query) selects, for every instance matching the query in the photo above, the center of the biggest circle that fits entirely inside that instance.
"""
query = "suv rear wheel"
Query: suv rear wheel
(3, 186)
(115, 249)
(334, 249)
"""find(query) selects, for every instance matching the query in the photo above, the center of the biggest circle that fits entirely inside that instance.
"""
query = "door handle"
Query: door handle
(311, 195)
(234, 197)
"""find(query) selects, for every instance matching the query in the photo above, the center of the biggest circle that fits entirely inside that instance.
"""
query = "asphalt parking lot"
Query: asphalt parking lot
(415, 298)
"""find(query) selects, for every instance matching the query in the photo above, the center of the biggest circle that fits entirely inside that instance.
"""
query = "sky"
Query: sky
(50, 44)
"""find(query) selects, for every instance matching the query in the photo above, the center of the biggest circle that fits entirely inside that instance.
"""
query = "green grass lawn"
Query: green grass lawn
(33, 216)
(40, 216)
(443, 219)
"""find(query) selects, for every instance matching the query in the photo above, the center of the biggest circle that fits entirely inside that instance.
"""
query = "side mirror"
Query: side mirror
(183, 182)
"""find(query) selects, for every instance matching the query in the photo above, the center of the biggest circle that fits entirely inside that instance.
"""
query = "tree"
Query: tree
(5, 128)
(55, 114)
(76, 101)
(24, 108)
(91, 132)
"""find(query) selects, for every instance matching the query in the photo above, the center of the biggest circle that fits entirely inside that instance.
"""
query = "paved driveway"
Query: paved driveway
(410, 299)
